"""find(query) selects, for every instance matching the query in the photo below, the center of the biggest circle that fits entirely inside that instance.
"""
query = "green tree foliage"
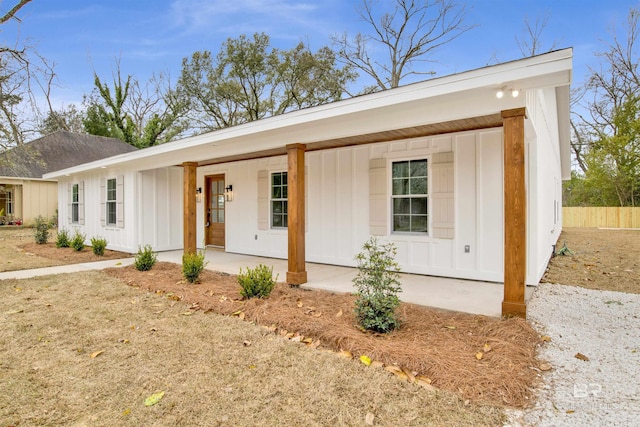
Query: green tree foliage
(69, 119)
(248, 80)
(606, 140)
(613, 161)
(142, 116)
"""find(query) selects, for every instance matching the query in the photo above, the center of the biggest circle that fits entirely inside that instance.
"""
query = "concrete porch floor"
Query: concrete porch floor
(467, 296)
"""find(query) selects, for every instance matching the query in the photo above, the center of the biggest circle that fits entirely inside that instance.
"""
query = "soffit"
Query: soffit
(469, 124)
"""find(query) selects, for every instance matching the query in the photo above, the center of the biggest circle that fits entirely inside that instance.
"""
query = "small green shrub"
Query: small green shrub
(77, 242)
(192, 266)
(41, 230)
(145, 258)
(98, 245)
(62, 241)
(257, 282)
(378, 285)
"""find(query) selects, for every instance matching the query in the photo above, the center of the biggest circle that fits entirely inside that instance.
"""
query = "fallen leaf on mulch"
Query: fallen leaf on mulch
(545, 366)
(582, 357)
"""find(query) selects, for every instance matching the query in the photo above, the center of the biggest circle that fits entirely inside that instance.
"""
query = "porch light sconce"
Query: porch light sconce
(198, 194)
(500, 93)
(228, 193)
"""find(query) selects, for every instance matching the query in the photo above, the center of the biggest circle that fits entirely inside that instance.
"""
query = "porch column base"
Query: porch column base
(296, 277)
(514, 309)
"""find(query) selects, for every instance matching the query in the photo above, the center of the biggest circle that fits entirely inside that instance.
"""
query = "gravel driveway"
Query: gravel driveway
(601, 388)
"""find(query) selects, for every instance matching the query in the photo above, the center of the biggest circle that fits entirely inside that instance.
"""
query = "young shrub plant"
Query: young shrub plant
(145, 258)
(257, 282)
(192, 266)
(378, 285)
(77, 243)
(63, 239)
(98, 245)
(41, 230)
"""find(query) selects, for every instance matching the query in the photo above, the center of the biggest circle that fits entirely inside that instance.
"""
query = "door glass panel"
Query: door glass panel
(220, 201)
(221, 216)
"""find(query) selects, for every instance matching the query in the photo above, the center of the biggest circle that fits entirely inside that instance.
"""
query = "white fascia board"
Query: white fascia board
(552, 69)
(564, 129)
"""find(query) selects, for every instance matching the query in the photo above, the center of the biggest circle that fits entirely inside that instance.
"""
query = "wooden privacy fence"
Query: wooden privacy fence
(601, 217)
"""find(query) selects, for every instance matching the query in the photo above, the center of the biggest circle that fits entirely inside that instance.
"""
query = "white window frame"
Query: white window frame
(9, 202)
(111, 202)
(393, 197)
(75, 203)
(284, 200)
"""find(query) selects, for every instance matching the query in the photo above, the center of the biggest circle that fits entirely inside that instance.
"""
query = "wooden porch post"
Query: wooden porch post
(189, 207)
(515, 213)
(296, 273)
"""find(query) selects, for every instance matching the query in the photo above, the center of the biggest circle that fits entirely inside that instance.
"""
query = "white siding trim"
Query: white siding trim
(263, 200)
(81, 202)
(103, 201)
(442, 197)
(378, 220)
(70, 203)
(120, 201)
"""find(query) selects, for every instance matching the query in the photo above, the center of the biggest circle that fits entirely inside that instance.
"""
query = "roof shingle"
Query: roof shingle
(56, 151)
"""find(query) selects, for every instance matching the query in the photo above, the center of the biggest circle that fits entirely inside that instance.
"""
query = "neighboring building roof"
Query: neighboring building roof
(56, 151)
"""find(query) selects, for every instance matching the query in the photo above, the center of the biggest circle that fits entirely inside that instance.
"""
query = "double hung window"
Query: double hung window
(279, 207)
(409, 196)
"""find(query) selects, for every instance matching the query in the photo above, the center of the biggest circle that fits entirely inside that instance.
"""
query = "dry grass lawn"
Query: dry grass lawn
(13, 257)
(86, 349)
(602, 259)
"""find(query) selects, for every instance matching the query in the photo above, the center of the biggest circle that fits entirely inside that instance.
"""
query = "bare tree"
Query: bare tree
(22, 73)
(531, 44)
(606, 127)
(409, 35)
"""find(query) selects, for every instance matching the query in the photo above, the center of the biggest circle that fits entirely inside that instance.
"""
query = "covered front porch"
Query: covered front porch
(510, 296)
(467, 296)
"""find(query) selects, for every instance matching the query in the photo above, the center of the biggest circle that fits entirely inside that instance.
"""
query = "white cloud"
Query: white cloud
(195, 15)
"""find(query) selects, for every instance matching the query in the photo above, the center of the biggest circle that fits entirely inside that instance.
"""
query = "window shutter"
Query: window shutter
(442, 220)
(378, 201)
(263, 200)
(103, 201)
(69, 203)
(81, 202)
(120, 201)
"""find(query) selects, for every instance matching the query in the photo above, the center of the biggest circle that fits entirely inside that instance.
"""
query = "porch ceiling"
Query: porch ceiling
(468, 124)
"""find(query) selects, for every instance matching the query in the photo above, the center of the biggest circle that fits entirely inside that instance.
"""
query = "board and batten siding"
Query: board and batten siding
(338, 208)
(544, 182)
(159, 210)
(120, 237)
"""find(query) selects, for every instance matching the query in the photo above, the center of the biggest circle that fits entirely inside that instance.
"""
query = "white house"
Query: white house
(462, 172)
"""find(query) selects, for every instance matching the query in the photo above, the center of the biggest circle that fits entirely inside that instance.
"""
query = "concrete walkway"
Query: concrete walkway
(450, 294)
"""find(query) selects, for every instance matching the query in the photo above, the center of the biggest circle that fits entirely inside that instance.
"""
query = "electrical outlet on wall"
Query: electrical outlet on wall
(467, 249)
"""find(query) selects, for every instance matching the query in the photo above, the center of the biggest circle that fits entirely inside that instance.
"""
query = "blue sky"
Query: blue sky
(149, 36)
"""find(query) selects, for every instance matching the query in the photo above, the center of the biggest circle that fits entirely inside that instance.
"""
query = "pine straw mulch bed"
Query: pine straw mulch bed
(70, 255)
(443, 346)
